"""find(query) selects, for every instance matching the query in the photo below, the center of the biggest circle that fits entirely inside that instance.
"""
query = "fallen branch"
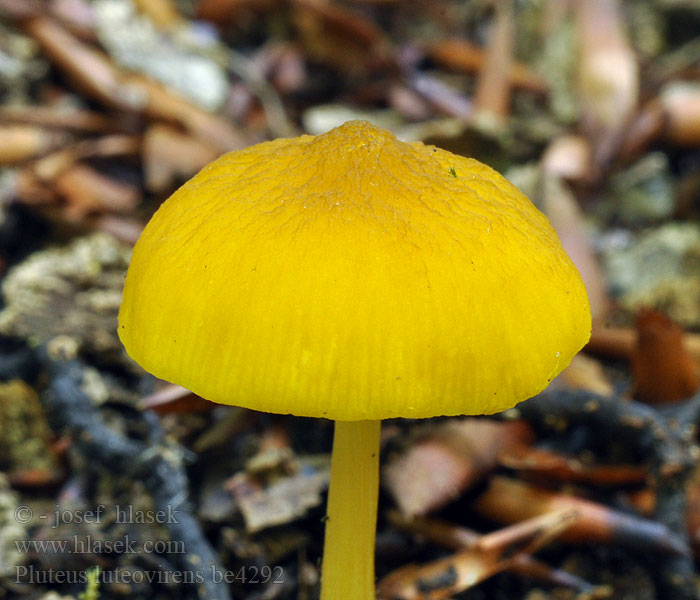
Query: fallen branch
(458, 538)
(490, 554)
(662, 439)
(71, 411)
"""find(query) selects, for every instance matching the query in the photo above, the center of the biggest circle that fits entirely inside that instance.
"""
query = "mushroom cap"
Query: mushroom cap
(353, 276)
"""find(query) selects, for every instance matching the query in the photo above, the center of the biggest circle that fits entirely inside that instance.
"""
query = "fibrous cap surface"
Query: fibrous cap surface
(353, 276)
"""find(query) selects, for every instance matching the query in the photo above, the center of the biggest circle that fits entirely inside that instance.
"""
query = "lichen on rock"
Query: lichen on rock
(11, 530)
(657, 268)
(24, 431)
(73, 291)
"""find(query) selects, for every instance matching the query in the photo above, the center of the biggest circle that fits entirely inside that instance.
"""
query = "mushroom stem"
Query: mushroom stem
(348, 554)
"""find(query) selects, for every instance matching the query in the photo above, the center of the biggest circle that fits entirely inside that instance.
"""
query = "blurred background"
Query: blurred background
(591, 107)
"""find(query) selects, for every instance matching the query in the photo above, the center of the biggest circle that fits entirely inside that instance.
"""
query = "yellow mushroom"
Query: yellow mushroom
(354, 277)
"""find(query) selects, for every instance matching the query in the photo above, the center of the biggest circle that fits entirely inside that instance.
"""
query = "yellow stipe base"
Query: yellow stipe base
(348, 554)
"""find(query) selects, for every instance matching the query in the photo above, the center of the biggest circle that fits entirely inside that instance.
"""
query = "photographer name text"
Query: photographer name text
(117, 514)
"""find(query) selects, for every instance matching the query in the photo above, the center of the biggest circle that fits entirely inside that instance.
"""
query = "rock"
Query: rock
(642, 193)
(72, 294)
(24, 431)
(11, 529)
(659, 268)
(176, 59)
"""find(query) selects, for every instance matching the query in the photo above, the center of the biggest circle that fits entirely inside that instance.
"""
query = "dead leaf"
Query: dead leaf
(463, 56)
(586, 373)
(662, 369)
(608, 74)
(680, 103)
(492, 96)
(334, 35)
(88, 191)
(94, 73)
(281, 502)
(171, 157)
(19, 143)
(446, 461)
(550, 465)
(511, 501)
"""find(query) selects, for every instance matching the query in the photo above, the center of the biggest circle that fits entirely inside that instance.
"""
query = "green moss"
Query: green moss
(92, 587)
